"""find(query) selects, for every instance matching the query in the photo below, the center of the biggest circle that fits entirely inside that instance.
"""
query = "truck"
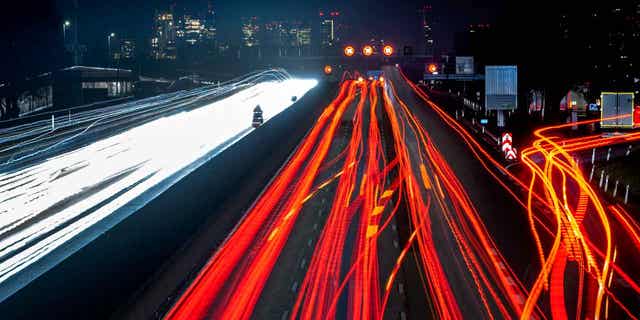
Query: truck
(617, 111)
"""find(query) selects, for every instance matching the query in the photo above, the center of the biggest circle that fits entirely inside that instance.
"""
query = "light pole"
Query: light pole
(111, 35)
(65, 25)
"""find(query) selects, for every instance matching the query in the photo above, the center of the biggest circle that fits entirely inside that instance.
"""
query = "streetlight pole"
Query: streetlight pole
(65, 25)
(109, 56)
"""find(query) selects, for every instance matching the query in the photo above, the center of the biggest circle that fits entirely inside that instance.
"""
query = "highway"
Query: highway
(357, 208)
(389, 208)
(306, 237)
(584, 245)
(59, 186)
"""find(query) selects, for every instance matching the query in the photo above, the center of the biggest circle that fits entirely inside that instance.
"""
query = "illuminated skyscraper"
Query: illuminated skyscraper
(296, 37)
(191, 30)
(330, 28)
(250, 32)
(210, 27)
(163, 41)
(304, 36)
(427, 29)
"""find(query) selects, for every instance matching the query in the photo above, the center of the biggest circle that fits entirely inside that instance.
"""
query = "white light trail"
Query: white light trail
(45, 205)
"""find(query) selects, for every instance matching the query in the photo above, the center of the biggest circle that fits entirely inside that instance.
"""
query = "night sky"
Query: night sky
(32, 29)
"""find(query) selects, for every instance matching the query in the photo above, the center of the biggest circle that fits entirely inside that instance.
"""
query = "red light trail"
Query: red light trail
(574, 230)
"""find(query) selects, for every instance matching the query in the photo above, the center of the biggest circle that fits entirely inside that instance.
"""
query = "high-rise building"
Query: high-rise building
(127, 50)
(600, 43)
(250, 32)
(304, 36)
(196, 34)
(210, 28)
(330, 29)
(297, 37)
(274, 36)
(474, 42)
(285, 38)
(427, 29)
(163, 41)
(191, 30)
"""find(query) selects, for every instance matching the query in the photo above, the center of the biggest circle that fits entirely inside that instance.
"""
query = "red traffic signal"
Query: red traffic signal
(387, 50)
(328, 69)
(432, 68)
(367, 50)
(349, 51)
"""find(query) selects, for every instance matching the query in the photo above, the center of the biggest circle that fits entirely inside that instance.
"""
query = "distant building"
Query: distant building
(302, 39)
(274, 36)
(330, 29)
(65, 88)
(191, 30)
(163, 40)
(474, 42)
(210, 31)
(304, 36)
(126, 50)
(427, 29)
(224, 49)
(601, 41)
(250, 32)
(286, 38)
(196, 34)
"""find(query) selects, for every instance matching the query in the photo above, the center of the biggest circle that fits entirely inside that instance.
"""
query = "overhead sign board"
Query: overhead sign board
(464, 65)
(501, 87)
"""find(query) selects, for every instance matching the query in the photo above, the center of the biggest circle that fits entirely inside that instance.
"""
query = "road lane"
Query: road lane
(44, 205)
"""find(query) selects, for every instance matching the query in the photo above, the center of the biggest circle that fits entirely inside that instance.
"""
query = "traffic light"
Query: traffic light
(367, 51)
(432, 68)
(328, 69)
(349, 51)
(387, 50)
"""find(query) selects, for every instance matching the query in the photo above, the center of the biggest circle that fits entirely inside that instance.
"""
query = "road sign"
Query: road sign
(501, 88)
(511, 154)
(506, 142)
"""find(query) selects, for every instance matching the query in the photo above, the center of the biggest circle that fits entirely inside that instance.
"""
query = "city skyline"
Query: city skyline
(134, 22)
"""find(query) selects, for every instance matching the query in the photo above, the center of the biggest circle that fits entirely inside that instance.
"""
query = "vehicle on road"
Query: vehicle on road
(257, 117)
